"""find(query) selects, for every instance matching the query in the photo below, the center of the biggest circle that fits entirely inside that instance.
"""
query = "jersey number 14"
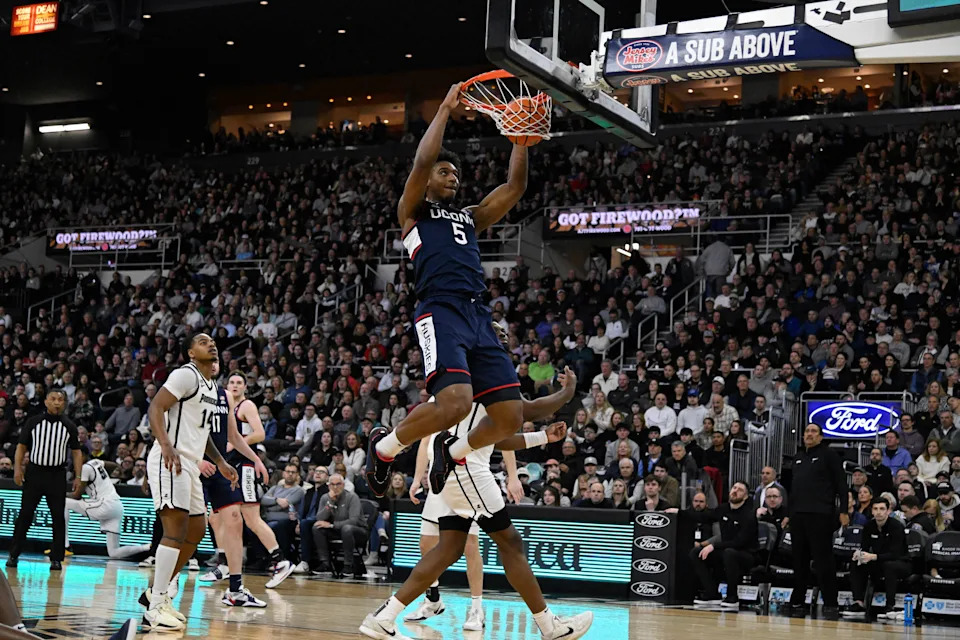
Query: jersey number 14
(209, 418)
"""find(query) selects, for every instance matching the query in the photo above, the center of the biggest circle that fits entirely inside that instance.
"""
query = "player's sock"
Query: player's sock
(433, 593)
(389, 610)
(389, 447)
(236, 582)
(460, 449)
(275, 555)
(544, 620)
(66, 528)
(166, 560)
(476, 602)
(221, 557)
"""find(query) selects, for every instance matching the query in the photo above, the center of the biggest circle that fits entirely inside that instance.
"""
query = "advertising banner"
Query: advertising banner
(653, 564)
(66, 241)
(633, 62)
(647, 218)
(34, 18)
(854, 420)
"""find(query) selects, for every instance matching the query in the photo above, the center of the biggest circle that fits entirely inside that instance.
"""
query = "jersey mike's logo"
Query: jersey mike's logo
(639, 55)
(648, 589)
(642, 81)
(651, 543)
(649, 565)
(653, 520)
(855, 419)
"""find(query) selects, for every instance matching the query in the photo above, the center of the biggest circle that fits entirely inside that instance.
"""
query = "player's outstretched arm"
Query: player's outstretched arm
(548, 405)
(427, 152)
(158, 409)
(249, 414)
(499, 201)
(514, 486)
(554, 433)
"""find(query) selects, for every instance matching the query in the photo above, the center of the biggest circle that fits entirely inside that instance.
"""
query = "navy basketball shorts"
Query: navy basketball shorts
(217, 491)
(459, 345)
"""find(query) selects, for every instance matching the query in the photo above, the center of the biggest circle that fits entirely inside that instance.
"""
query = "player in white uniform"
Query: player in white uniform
(181, 416)
(103, 505)
(471, 496)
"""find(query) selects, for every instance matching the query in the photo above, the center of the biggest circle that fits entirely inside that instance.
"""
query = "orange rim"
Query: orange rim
(496, 74)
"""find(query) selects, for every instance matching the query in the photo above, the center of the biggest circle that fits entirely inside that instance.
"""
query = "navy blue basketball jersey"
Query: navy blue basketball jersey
(218, 430)
(445, 254)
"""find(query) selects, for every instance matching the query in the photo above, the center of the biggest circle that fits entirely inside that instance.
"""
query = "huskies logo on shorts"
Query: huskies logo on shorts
(427, 337)
(639, 55)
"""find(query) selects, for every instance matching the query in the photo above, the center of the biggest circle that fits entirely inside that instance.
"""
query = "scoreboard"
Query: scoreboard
(34, 18)
(907, 12)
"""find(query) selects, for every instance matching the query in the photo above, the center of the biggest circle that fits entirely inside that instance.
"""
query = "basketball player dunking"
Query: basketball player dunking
(462, 357)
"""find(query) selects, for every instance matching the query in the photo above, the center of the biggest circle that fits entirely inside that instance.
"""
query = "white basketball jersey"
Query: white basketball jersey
(99, 486)
(190, 421)
(480, 458)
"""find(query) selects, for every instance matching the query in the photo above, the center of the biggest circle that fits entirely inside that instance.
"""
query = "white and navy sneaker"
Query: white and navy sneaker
(570, 628)
(242, 598)
(160, 614)
(476, 619)
(281, 571)
(146, 598)
(216, 574)
(302, 568)
(426, 610)
(373, 628)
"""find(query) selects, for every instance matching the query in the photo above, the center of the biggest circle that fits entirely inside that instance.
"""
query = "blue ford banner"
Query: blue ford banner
(633, 62)
(852, 419)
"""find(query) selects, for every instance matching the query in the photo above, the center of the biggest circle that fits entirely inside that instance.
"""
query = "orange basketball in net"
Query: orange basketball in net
(525, 117)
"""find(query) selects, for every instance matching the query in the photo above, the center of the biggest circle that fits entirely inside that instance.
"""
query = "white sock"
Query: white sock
(476, 602)
(389, 610)
(436, 583)
(460, 449)
(390, 446)
(166, 560)
(66, 528)
(544, 620)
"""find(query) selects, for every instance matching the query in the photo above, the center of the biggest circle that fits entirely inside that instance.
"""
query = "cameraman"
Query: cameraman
(882, 556)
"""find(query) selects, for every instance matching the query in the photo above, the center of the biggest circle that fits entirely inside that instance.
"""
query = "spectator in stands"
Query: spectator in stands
(692, 415)
(542, 372)
(280, 505)
(955, 472)
(773, 510)
(623, 433)
(654, 456)
(910, 438)
(715, 263)
(742, 400)
(927, 373)
(624, 395)
(602, 413)
(340, 517)
(948, 434)
(662, 416)
(932, 462)
(123, 419)
(882, 556)
(879, 476)
(647, 495)
(735, 549)
(721, 413)
(596, 499)
(894, 457)
(681, 462)
(768, 480)
(606, 379)
(669, 486)
(948, 501)
(916, 518)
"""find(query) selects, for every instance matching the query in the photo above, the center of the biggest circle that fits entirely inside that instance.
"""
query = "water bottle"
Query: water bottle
(908, 610)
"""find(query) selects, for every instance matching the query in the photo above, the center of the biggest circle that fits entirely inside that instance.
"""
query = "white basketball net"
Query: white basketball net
(493, 96)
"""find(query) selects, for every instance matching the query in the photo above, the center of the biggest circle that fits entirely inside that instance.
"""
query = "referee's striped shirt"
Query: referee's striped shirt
(50, 439)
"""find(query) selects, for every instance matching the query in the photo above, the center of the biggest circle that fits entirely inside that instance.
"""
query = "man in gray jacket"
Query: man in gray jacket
(339, 517)
(715, 263)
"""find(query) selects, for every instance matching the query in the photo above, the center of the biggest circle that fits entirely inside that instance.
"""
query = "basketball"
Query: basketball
(524, 113)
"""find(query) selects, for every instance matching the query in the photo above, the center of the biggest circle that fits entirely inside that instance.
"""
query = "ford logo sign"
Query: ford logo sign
(648, 589)
(651, 543)
(639, 55)
(649, 565)
(653, 520)
(855, 419)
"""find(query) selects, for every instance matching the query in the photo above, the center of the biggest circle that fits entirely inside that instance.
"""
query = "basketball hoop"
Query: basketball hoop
(517, 110)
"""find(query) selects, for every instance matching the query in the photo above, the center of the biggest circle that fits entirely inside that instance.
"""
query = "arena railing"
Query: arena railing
(69, 295)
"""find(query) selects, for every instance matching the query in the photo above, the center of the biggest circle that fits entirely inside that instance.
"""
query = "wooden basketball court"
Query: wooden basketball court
(93, 596)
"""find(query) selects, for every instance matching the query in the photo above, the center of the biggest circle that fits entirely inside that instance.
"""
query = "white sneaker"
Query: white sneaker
(161, 618)
(146, 600)
(216, 574)
(426, 610)
(707, 602)
(303, 567)
(373, 559)
(476, 619)
(147, 563)
(242, 598)
(570, 628)
(281, 572)
(174, 588)
(373, 628)
(167, 611)
(193, 565)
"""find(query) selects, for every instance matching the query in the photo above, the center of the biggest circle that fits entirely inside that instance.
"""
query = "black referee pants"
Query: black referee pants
(42, 482)
(811, 536)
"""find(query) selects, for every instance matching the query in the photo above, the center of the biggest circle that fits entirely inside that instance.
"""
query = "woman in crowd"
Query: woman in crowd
(602, 412)
(932, 461)
(864, 498)
(394, 413)
(856, 518)
(353, 455)
(932, 508)
(619, 495)
(550, 497)
(136, 444)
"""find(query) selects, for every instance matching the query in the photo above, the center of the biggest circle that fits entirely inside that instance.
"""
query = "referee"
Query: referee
(819, 491)
(48, 437)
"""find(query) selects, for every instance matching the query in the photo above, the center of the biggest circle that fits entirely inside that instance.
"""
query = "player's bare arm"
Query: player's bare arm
(498, 202)
(555, 433)
(548, 405)
(162, 403)
(249, 414)
(514, 486)
(420, 469)
(240, 443)
(77, 469)
(226, 469)
(424, 162)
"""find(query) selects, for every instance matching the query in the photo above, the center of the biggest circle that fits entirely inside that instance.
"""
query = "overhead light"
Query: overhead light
(866, 86)
(284, 104)
(264, 3)
(249, 106)
(202, 75)
(467, 108)
(726, 88)
(5, 89)
(386, 122)
(349, 99)
(409, 55)
(689, 90)
(819, 79)
(270, 125)
(331, 99)
(99, 83)
(945, 70)
(461, 19)
(736, 95)
(906, 73)
(282, 131)
(269, 105)
(624, 252)
(369, 97)
(147, 16)
(65, 128)
(230, 43)
(859, 77)
(302, 66)
(341, 31)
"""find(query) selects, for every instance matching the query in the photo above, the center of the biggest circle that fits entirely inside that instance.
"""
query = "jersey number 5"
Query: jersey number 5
(459, 236)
